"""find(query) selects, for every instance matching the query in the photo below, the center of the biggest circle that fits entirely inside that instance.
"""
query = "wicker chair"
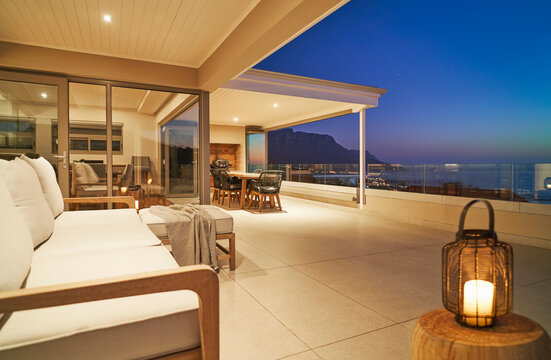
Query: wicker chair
(228, 185)
(267, 185)
(216, 185)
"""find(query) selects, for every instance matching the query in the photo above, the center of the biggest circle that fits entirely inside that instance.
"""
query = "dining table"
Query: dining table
(244, 176)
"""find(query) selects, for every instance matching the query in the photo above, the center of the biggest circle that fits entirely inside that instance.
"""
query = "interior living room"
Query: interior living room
(139, 217)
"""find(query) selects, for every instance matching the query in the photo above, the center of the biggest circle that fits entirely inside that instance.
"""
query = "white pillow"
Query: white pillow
(85, 174)
(48, 182)
(16, 245)
(25, 190)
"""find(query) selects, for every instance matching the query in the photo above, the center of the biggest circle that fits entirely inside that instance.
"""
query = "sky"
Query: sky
(468, 82)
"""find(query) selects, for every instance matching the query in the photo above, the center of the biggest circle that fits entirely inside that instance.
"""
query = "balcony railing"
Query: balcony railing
(512, 182)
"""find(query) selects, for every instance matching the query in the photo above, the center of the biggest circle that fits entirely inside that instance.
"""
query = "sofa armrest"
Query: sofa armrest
(128, 200)
(198, 278)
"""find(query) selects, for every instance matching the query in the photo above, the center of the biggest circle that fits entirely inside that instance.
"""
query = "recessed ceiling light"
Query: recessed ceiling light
(235, 119)
(44, 95)
(276, 105)
(107, 18)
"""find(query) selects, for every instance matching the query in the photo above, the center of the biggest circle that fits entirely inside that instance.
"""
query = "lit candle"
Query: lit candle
(137, 203)
(478, 295)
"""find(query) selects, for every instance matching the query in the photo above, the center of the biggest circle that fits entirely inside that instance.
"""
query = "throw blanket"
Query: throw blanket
(191, 232)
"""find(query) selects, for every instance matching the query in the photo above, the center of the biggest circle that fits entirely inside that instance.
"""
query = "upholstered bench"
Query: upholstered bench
(223, 223)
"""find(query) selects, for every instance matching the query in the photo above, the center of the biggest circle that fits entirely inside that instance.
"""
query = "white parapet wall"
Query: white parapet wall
(332, 194)
(516, 222)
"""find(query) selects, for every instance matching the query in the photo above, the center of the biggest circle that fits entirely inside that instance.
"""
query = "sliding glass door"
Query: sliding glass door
(105, 138)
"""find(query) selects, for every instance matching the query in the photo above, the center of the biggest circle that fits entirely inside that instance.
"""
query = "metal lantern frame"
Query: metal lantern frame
(477, 273)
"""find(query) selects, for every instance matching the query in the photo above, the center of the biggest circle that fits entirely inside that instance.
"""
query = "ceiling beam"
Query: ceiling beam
(71, 63)
(269, 26)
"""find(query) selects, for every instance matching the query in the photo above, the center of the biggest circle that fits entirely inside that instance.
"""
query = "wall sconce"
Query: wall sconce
(149, 181)
(123, 190)
(477, 274)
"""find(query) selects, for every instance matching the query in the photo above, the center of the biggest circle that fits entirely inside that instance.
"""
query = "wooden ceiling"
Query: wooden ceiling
(256, 108)
(180, 32)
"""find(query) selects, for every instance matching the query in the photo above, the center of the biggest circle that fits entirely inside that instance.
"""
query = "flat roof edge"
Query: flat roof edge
(308, 80)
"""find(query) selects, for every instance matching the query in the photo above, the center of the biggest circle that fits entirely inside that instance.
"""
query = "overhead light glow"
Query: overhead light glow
(235, 119)
(44, 95)
(107, 18)
(276, 105)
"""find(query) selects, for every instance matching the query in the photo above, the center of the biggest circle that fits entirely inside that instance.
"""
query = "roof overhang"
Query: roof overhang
(206, 46)
(251, 98)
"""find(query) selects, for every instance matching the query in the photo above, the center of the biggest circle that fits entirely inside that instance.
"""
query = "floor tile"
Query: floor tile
(251, 258)
(307, 355)
(391, 343)
(312, 311)
(410, 324)
(380, 291)
(248, 331)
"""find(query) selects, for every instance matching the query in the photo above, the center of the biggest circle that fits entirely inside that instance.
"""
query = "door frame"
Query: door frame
(62, 117)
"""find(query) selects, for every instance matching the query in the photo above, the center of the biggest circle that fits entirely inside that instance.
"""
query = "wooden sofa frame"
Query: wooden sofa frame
(200, 279)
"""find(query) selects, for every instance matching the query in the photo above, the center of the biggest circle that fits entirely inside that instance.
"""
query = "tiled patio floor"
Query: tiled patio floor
(322, 281)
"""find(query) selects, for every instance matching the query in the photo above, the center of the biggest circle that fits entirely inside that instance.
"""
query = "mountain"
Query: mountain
(286, 146)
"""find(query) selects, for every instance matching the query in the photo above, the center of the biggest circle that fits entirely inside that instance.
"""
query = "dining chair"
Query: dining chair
(216, 185)
(268, 185)
(229, 185)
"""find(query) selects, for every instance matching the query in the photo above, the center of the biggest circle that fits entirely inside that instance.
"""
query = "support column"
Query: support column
(204, 148)
(362, 167)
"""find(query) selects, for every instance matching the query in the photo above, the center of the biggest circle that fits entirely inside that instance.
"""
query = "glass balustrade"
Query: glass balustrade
(530, 182)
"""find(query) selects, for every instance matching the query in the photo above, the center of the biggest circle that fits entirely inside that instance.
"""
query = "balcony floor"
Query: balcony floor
(322, 281)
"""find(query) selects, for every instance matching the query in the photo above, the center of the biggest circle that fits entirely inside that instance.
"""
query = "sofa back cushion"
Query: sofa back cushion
(16, 245)
(26, 193)
(84, 174)
(48, 182)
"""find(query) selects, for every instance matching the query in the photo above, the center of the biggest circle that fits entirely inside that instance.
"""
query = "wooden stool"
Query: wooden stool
(438, 336)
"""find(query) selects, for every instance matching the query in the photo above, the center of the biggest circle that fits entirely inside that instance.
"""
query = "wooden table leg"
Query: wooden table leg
(243, 192)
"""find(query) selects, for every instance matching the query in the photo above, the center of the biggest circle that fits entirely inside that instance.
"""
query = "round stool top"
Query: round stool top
(508, 330)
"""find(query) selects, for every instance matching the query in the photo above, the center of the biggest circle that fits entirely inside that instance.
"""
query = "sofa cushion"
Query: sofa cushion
(134, 327)
(26, 192)
(48, 182)
(223, 221)
(84, 174)
(98, 217)
(16, 245)
(100, 237)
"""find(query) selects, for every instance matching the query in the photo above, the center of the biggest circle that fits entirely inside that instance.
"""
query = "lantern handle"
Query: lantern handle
(466, 208)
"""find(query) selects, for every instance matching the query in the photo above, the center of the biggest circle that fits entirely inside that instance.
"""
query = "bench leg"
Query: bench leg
(232, 251)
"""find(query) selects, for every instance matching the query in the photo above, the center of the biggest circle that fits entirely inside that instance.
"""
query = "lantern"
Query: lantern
(477, 274)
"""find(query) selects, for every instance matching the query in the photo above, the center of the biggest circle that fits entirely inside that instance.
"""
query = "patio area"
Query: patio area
(325, 281)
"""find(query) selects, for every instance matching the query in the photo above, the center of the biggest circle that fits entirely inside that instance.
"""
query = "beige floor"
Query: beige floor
(321, 281)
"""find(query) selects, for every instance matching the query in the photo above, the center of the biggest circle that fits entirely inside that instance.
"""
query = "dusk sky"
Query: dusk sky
(468, 82)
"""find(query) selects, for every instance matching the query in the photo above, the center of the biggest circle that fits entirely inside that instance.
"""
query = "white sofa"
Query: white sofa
(93, 284)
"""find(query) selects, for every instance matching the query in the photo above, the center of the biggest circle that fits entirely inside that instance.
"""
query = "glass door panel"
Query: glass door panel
(87, 140)
(256, 151)
(181, 154)
(136, 146)
(29, 109)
